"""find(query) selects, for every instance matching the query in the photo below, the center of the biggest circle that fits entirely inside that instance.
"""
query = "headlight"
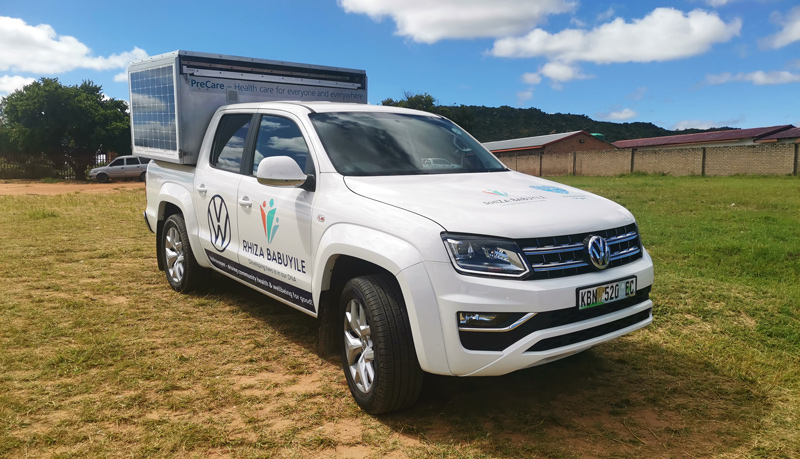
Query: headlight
(485, 256)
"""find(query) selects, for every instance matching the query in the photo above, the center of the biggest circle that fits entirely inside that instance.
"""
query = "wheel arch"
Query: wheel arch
(348, 251)
(175, 199)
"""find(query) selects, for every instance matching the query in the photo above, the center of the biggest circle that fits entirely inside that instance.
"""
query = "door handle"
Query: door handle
(201, 188)
(245, 202)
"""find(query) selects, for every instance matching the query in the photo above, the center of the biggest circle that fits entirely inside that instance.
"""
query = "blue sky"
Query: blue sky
(680, 64)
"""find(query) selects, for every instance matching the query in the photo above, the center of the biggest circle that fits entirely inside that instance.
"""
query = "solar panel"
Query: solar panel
(153, 108)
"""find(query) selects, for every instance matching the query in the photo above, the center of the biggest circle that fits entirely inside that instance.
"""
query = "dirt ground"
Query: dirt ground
(22, 187)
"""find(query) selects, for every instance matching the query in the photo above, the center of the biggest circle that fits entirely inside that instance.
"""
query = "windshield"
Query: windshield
(377, 143)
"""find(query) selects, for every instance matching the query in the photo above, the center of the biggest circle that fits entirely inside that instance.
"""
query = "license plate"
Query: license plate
(590, 297)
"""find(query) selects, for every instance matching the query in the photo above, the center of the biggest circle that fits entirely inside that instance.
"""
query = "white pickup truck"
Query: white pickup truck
(340, 211)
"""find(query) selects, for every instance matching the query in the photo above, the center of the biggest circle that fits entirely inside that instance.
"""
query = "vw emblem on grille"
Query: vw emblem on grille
(599, 254)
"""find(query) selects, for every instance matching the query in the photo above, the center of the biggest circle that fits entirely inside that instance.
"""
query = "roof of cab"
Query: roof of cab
(323, 107)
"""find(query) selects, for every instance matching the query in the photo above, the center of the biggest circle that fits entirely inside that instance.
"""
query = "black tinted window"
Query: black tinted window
(281, 137)
(117, 162)
(229, 142)
(380, 143)
(132, 161)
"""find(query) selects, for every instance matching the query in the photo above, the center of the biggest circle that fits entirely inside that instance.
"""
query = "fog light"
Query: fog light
(482, 319)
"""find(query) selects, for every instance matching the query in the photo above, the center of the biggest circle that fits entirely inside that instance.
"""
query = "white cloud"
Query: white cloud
(605, 15)
(707, 124)
(532, 78)
(429, 21)
(694, 124)
(562, 72)
(664, 34)
(577, 22)
(557, 72)
(638, 93)
(790, 31)
(38, 49)
(524, 96)
(718, 3)
(620, 115)
(121, 77)
(9, 84)
(758, 78)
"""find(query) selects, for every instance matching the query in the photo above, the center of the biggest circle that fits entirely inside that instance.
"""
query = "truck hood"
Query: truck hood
(505, 204)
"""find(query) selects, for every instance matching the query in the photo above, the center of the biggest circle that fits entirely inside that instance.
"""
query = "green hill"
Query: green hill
(489, 124)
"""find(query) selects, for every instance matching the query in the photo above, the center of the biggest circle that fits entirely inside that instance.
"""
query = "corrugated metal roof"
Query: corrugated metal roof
(793, 133)
(703, 137)
(528, 142)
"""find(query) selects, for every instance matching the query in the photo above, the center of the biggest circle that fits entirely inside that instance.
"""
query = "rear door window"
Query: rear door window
(230, 141)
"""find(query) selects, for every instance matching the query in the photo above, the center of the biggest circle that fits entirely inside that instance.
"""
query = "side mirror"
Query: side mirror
(281, 171)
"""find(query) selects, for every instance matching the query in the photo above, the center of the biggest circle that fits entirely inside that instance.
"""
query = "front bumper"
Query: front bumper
(453, 293)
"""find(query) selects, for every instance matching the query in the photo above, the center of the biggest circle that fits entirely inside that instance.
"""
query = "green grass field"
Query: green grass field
(99, 358)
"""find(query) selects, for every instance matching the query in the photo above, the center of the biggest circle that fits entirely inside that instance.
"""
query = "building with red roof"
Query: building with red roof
(731, 137)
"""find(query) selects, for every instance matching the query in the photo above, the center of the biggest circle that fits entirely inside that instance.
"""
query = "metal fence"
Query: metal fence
(39, 166)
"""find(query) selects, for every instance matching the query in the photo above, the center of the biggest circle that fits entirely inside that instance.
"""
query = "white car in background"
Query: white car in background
(124, 167)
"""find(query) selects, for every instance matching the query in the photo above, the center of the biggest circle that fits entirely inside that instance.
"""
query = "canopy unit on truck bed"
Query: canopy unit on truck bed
(174, 95)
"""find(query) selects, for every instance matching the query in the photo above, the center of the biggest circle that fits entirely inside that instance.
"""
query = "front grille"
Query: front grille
(562, 256)
(497, 341)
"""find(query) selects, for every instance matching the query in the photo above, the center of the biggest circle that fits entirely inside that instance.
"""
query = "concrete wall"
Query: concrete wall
(763, 159)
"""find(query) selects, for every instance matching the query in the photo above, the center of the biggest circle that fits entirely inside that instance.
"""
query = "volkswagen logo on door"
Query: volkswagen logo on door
(219, 223)
(599, 254)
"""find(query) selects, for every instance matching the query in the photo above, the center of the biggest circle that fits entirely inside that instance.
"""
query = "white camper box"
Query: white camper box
(174, 95)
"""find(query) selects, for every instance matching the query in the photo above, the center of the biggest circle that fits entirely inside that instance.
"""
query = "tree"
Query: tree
(424, 102)
(66, 123)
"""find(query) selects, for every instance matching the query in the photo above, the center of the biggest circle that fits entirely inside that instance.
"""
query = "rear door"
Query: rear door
(216, 187)
(132, 167)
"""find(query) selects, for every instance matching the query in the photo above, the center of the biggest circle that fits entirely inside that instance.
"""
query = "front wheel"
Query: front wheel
(183, 272)
(378, 357)
(102, 178)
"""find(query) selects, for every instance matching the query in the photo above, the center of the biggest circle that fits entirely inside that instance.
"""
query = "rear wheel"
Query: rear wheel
(142, 176)
(183, 272)
(102, 178)
(378, 356)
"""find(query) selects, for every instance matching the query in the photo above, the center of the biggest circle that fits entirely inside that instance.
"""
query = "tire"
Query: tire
(378, 355)
(142, 176)
(102, 178)
(183, 272)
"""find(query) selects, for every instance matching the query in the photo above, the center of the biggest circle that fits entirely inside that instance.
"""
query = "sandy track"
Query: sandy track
(20, 187)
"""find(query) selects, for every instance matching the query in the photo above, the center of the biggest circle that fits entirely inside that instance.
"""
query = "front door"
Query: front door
(275, 227)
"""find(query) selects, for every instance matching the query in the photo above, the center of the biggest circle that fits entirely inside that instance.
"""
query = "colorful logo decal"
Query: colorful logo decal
(496, 193)
(219, 223)
(551, 189)
(268, 220)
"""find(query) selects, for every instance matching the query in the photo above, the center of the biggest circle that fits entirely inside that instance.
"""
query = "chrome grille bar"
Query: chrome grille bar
(560, 256)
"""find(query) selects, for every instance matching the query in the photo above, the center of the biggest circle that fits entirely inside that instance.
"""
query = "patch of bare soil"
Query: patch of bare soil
(22, 187)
